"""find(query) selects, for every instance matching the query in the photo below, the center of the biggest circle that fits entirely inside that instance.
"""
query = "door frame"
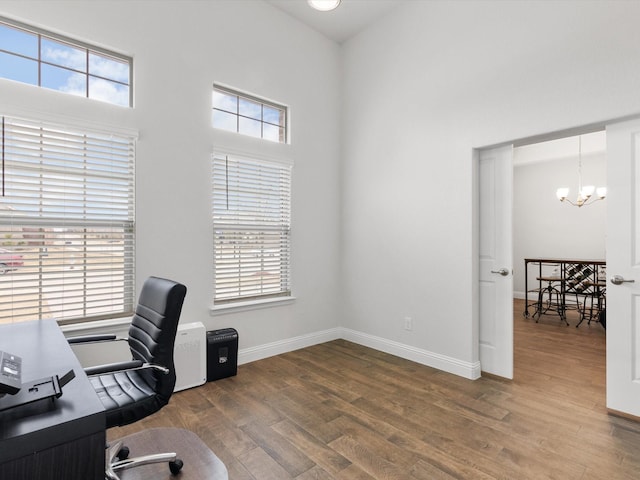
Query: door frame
(580, 130)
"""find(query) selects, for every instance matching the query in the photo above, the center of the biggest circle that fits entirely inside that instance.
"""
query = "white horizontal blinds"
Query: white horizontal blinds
(251, 218)
(67, 210)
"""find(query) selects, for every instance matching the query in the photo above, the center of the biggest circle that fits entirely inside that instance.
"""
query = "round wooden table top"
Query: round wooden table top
(200, 463)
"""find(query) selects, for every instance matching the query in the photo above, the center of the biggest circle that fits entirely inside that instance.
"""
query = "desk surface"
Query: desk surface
(45, 424)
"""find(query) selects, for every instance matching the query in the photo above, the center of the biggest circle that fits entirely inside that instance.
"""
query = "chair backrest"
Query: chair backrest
(153, 331)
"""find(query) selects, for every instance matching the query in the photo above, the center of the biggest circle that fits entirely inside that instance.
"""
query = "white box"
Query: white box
(190, 356)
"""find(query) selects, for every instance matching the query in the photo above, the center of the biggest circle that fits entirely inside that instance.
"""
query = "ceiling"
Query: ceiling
(350, 18)
(592, 144)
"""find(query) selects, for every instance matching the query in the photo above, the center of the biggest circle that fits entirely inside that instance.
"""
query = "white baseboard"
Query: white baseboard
(418, 355)
(267, 350)
(424, 357)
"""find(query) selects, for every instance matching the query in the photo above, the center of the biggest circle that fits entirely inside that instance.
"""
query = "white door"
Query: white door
(623, 261)
(496, 257)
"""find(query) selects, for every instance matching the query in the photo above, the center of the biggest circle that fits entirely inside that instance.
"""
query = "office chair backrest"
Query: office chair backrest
(153, 331)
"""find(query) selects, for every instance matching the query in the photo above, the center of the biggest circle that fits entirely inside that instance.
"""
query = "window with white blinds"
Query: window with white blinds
(66, 223)
(252, 231)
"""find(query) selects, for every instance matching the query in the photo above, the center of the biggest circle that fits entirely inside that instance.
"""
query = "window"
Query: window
(40, 58)
(251, 221)
(66, 223)
(237, 112)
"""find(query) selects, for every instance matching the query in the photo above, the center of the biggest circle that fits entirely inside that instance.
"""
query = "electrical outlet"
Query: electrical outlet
(408, 323)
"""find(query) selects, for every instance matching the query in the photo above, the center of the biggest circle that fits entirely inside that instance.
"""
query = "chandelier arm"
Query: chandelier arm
(586, 202)
(585, 194)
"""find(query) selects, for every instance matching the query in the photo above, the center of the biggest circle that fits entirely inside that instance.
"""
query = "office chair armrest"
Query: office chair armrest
(94, 338)
(123, 367)
(113, 367)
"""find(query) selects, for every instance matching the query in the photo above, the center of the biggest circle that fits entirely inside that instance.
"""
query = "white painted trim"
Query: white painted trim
(418, 355)
(267, 350)
(251, 305)
(96, 327)
(66, 119)
(424, 357)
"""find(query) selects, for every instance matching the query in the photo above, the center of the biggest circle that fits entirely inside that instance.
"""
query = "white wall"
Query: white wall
(383, 219)
(180, 48)
(423, 88)
(545, 228)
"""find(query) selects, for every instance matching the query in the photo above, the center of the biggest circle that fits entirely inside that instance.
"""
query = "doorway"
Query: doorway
(546, 349)
(544, 227)
(623, 267)
(497, 263)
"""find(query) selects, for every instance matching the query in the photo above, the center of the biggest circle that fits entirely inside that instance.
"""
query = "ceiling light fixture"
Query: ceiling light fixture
(324, 5)
(584, 193)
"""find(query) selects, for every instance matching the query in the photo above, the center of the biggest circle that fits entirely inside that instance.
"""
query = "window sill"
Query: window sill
(253, 305)
(96, 326)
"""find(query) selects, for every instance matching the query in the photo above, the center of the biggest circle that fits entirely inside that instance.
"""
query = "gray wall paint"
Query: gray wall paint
(545, 228)
(180, 48)
(383, 133)
(423, 88)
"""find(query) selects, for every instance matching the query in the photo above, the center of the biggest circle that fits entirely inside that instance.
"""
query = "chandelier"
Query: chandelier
(585, 194)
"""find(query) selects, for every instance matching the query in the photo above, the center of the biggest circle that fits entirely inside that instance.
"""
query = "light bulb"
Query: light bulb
(562, 193)
(601, 192)
(324, 5)
(587, 191)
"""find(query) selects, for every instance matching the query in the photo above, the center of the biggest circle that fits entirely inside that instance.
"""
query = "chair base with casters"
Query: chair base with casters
(117, 459)
(129, 384)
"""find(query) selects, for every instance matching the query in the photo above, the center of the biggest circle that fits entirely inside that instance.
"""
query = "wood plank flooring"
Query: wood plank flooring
(346, 412)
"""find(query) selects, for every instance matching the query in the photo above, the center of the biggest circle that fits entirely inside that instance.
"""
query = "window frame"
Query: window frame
(271, 298)
(73, 43)
(91, 212)
(251, 98)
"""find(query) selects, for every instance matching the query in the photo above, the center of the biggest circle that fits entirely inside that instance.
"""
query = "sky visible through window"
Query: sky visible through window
(236, 113)
(41, 60)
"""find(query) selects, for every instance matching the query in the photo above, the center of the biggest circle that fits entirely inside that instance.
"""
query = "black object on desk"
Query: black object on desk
(10, 373)
(50, 440)
(43, 389)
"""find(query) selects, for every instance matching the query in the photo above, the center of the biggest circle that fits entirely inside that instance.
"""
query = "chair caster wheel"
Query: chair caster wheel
(176, 466)
(123, 453)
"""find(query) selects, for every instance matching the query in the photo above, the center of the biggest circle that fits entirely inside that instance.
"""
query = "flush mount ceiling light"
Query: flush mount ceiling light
(324, 5)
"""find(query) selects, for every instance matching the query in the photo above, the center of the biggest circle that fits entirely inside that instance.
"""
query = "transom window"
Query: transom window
(67, 231)
(36, 57)
(242, 113)
(252, 233)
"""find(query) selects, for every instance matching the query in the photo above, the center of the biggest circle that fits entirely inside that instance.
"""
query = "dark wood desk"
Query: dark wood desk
(61, 439)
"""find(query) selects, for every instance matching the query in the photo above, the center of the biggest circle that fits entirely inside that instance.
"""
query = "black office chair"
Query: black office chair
(133, 390)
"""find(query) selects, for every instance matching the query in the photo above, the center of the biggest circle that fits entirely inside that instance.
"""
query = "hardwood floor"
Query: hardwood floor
(343, 411)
